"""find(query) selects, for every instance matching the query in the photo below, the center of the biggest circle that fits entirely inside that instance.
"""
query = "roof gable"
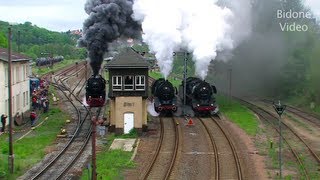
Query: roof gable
(128, 58)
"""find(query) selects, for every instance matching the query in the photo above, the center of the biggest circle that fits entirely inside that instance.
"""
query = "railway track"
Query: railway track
(307, 117)
(166, 151)
(57, 167)
(313, 119)
(59, 162)
(288, 134)
(227, 162)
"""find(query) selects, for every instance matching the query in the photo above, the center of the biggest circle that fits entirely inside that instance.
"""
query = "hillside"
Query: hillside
(36, 42)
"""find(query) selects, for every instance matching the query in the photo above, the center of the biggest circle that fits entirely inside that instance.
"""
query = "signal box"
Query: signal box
(128, 92)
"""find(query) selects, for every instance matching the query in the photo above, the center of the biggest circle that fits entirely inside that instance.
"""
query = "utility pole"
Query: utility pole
(230, 80)
(279, 108)
(77, 68)
(86, 69)
(94, 165)
(185, 82)
(11, 155)
(18, 41)
(185, 59)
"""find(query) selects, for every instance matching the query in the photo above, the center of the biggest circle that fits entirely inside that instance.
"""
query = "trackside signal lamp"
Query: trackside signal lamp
(279, 108)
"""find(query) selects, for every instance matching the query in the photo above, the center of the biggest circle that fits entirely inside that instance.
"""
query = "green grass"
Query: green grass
(156, 75)
(239, 114)
(111, 163)
(60, 65)
(31, 149)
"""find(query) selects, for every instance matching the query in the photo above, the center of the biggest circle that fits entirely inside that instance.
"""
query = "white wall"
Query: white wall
(20, 87)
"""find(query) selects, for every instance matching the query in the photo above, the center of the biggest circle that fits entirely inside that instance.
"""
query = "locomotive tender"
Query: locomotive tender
(96, 91)
(164, 95)
(199, 95)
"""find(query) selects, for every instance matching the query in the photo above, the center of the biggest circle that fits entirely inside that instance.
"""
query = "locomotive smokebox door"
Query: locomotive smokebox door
(128, 91)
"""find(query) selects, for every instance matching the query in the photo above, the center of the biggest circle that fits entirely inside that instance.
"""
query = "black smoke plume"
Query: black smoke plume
(108, 20)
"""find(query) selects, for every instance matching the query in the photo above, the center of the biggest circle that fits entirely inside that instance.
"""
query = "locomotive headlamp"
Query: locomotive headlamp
(211, 104)
(198, 105)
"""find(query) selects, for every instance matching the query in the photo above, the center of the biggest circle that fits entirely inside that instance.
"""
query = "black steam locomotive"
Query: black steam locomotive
(164, 95)
(96, 91)
(199, 95)
(48, 60)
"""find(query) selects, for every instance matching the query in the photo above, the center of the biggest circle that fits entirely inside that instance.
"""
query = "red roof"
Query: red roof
(14, 56)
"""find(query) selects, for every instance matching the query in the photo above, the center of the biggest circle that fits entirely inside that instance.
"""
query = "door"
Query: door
(128, 122)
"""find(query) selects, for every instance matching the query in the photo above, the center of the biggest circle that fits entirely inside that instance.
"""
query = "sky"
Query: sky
(55, 15)
(64, 15)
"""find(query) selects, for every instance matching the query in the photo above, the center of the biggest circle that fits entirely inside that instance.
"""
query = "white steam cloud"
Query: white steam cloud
(314, 6)
(201, 27)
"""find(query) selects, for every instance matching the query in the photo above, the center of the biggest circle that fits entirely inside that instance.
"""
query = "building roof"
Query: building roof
(15, 57)
(128, 58)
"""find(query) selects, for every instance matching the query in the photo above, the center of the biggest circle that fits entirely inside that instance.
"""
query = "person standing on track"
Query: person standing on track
(3, 122)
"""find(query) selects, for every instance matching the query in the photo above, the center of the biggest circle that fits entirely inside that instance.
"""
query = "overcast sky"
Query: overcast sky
(55, 15)
(63, 15)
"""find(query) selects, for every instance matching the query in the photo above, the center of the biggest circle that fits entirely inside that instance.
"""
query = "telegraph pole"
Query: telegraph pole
(11, 155)
(185, 59)
(230, 80)
(94, 165)
(18, 41)
(279, 108)
(185, 82)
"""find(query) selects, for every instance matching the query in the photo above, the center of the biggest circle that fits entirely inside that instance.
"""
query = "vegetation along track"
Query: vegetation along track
(57, 167)
(288, 133)
(227, 162)
(166, 150)
(310, 118)
(314, 119)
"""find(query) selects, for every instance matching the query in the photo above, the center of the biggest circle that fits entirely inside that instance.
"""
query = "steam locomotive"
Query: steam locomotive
(96, 91)
(48, 60)
(199, 95)
(164, 94)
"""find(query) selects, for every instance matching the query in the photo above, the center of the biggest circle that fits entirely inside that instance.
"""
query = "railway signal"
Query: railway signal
(279, 108)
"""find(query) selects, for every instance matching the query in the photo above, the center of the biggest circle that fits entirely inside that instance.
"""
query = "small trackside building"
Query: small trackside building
(20, 71)
(128, 92)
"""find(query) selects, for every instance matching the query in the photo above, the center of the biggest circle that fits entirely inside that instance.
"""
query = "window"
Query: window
(13, 77)
(6, 76)
(27, 70)
(23, 72)
(27, 98)
(18, 102)
(24, 99)
(128, 82)
(6, 107)
(13, 105)
(17, 74)
(140, 82)
(117, 83)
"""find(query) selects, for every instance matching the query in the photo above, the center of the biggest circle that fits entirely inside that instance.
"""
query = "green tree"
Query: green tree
(3, 40)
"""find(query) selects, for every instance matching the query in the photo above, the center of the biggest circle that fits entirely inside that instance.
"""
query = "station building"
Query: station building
(20, 71)
(128, 92)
